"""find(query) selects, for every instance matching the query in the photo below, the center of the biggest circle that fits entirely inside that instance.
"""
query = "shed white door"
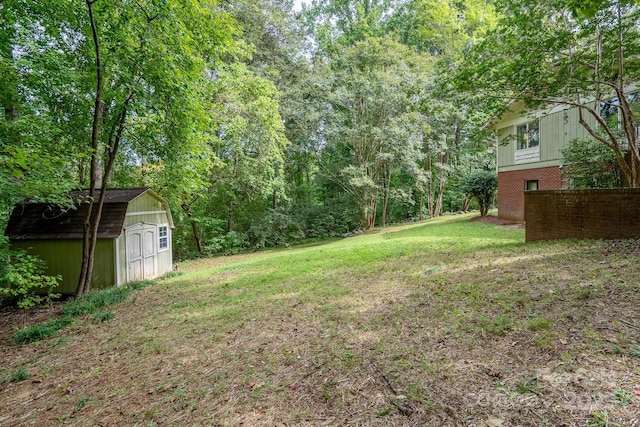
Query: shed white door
(142, 252)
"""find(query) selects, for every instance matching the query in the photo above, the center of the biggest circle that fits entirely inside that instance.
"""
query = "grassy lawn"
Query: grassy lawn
(447, 322)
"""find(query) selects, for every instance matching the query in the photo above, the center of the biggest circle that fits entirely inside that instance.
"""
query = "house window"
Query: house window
(531, 185)
(528, 135)
(163, 238)
(609, 112)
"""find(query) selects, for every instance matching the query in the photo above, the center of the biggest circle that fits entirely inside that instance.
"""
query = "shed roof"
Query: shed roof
(32, 221)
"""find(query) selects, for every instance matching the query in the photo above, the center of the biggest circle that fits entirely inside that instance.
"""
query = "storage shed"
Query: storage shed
(134, 237)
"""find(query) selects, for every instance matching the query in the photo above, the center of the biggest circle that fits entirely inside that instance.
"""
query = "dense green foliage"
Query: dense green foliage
(589, 164)
(482, 186)
(264, 126)
(572, 53)
(22, 279)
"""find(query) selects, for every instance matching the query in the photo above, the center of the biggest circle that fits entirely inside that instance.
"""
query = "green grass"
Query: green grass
(91, 303)
(102, 316)
(20, 374)
(408, 325)
(539, 324)
(30, 334)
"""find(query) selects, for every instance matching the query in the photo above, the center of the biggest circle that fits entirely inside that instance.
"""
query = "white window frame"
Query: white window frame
(164, 238)
(527, 135)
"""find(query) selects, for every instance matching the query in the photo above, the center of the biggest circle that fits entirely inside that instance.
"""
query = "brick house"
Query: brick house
(529, 152)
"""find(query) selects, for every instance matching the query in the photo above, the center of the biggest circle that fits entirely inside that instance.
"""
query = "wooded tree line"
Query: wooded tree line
(264, 126)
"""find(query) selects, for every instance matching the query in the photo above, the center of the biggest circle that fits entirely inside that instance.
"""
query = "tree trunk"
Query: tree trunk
(430, 198)
(438, 209)
(115, 137)
(385, 203)
(435, 198)
(88, 247)
(186, 207)
(230, 216)
(98, 174)
(484, 202)
(465, 204)
(370, 214)
(197, 237)
(431, 206)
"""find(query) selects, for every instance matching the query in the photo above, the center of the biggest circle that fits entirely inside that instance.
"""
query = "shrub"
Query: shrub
(274, 229)
(590, 164)
(481, 185)
(22, 278)
(227, 243)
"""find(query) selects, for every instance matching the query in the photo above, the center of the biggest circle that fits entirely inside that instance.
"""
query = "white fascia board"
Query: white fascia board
(555, 108)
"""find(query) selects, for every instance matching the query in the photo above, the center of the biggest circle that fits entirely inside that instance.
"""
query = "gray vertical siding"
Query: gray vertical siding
(557, 130)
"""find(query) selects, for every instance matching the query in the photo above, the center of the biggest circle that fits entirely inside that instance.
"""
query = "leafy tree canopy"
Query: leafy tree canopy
(544, 54)
(589, 164)
(482, 185)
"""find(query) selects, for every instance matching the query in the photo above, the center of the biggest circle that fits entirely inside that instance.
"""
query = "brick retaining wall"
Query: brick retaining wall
(590, 214)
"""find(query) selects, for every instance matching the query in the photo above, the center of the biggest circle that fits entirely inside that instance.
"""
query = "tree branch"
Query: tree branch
(149, 18)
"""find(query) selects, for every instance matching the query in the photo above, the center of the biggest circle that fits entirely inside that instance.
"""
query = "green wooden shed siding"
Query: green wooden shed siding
(557, 130)
(146, 203)
(65, 257)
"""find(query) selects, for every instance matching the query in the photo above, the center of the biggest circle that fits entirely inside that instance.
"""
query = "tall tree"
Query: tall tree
(113, 74)
(344, 22)
(37, 146)
(545, 53)
(370, 88)
(445, 29)
(252, 140)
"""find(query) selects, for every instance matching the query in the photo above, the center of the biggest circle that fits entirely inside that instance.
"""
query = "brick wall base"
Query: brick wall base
(590, 214)
(511, 188)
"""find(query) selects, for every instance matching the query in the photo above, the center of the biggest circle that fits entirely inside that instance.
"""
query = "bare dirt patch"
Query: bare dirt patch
(491, 219)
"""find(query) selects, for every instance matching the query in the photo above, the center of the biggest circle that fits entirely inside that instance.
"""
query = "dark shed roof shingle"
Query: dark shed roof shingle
(34, 221)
